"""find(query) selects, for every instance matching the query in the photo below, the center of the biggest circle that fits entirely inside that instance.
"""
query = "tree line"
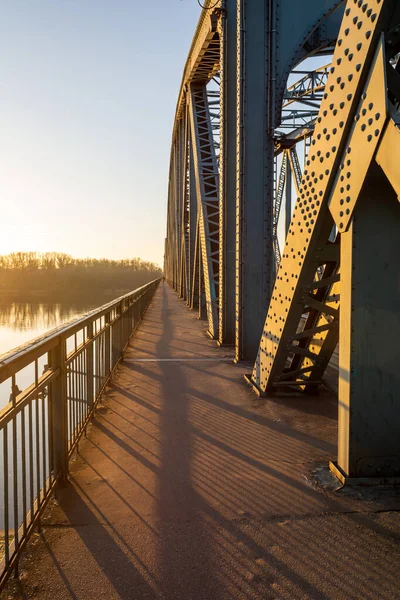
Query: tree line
(60, 260)
(57, 275)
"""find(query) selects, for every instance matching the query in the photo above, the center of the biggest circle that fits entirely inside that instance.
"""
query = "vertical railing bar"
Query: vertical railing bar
(121, 329)
(60, 409)
(107, 343)
(98, 354)
(38, 486)
(95, 368)
(99, 376)
(50, 425)
(74, 365)
(84, 388)
(84, 384)
(71, 400)
(76, 395)
(98, 368)
(81, 392)
(69, 403)
(30, 445)
(15, 461)
(23, 456)
(37, 452)
(6, 507)
(44, 445)
(79, 399)
(103, 358)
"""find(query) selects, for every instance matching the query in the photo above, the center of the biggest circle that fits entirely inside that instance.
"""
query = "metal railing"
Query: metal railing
(55, 382)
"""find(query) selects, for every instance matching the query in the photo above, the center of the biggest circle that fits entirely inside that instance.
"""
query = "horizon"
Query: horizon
(39, 255)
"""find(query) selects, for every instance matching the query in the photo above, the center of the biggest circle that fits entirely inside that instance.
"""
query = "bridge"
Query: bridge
(233, 431)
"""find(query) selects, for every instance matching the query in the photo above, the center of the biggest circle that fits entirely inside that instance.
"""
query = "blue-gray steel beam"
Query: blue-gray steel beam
(180, 151)
(369, 381)
(342, 185)
(288, 197)
(254, 172)
(265, 59)
(193, 217)
(184, 205)
(284, 356)
(194, 292)
(207, 188)
(311, 25)
(227, 193)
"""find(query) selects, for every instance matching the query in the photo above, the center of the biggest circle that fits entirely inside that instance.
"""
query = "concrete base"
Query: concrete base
(222, 345)
(248, 379)
(352, 481)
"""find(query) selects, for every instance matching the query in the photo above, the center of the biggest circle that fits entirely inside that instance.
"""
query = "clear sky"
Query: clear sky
(88, 90)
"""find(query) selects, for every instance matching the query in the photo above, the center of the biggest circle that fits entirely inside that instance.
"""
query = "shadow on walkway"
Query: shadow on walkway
(190, 488)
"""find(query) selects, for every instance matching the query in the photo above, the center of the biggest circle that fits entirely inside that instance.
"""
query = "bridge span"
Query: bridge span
(189, 486)
(214, 465)
(283, 212)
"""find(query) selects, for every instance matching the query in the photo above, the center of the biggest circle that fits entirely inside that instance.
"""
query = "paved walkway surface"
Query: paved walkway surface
(189, 487)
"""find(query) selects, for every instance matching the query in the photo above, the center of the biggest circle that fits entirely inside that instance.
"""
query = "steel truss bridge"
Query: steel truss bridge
(283, 216)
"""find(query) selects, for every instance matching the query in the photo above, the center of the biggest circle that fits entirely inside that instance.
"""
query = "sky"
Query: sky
(88, 91)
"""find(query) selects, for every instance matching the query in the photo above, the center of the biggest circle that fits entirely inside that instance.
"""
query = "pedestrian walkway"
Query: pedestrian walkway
(188, 486)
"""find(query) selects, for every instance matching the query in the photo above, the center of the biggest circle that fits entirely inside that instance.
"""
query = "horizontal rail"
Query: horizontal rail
(55, 381)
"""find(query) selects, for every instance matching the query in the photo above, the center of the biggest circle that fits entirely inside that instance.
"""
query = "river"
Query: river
(19, 323)
(23, 321)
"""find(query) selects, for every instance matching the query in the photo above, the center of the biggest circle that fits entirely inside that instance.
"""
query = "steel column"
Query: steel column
(255, 266)
(227, 189)
(369, 378)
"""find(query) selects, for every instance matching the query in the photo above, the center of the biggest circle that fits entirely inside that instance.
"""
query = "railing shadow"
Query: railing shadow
(199, 496)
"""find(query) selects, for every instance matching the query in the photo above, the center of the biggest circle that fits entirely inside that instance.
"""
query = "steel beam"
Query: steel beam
(255, 264)
(369, 380)
(193, 221)
(207, 186)
(343, 187)
(227, 157)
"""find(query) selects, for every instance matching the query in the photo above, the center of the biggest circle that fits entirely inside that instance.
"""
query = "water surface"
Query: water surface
(21, 322)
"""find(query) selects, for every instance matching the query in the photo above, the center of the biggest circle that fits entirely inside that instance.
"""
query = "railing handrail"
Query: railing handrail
(69, 367)
(50, 339)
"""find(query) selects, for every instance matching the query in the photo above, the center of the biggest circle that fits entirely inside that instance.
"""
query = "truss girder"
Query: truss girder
(310, 87)
(277, 205)
(334, 273)
(203, 61)
(316, 25)
(207, 188)
(302, 324)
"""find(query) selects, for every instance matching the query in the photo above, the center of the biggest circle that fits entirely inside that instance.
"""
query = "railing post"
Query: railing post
(136, 312)
(131, 316)
(116, 336)
(89, 366)
(121, 328)
(60, 410)
(107, 344)
(141, 309)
